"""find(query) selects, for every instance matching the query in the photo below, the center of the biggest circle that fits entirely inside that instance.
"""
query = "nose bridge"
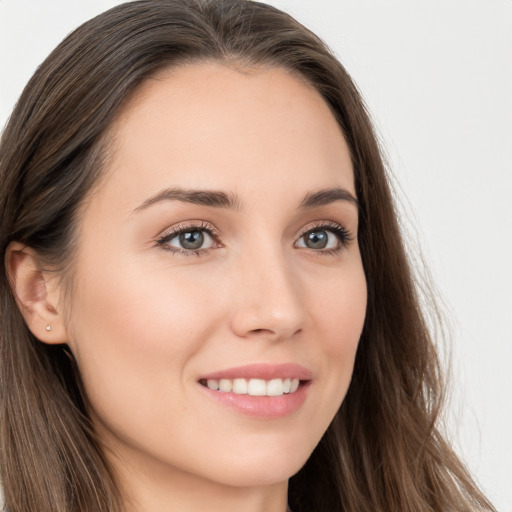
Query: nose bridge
(269, 299)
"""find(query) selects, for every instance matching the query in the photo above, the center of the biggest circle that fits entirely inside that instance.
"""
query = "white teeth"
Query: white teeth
(213, 384)
(240, 386)
(257, 387)
(225, 385)
(254, 387)
(275, 387)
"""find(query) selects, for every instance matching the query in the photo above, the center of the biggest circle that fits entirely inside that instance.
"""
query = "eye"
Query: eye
(319, 239)
(192, 240)
(328, 238)
(188, 239)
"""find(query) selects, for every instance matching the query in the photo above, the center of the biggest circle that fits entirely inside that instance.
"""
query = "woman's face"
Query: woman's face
(219, 250)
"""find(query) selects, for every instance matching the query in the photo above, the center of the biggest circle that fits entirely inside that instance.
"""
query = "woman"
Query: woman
(206, 303)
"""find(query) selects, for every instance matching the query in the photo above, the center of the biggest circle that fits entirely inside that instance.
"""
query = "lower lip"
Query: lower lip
(266, 407)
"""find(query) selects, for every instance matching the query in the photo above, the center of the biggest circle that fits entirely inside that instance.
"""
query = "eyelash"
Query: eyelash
(205, 227)
(342, 234)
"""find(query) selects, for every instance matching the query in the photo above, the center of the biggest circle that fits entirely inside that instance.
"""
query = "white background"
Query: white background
(437, 77)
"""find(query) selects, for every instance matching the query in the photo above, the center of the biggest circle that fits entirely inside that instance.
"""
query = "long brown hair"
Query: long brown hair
(383, 451)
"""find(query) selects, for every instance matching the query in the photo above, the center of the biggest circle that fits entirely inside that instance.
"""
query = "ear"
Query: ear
(37, 293)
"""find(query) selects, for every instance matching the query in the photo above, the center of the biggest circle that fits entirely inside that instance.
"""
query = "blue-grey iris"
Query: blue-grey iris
(316, 239)
(192, 239)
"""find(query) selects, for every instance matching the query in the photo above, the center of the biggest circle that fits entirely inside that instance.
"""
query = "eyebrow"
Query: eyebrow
(328, 196)
(212, 198)
(218, 199)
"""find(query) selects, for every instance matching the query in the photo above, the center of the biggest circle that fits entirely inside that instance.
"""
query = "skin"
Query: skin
(149, 319)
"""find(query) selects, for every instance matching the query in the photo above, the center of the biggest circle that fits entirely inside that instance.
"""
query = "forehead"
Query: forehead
(212, 126)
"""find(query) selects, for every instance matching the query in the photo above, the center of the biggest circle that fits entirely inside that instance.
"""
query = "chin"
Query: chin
(260, 470)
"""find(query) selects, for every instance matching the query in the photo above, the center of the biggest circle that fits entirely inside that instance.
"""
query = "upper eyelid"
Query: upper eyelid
(321, 223)
(188, 226)
(324, 224)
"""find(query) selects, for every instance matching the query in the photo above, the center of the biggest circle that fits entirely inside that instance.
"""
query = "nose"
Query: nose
(269, 301)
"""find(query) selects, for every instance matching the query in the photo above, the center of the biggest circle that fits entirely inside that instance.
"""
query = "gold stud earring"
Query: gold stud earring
(48, 327)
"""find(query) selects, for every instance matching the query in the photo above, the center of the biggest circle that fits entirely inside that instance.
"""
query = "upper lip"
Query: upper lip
(263, 371)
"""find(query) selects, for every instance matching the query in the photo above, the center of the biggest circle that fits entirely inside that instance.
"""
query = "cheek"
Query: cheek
(139, 310)
(340, 308)
(133, 333)
(340, 314)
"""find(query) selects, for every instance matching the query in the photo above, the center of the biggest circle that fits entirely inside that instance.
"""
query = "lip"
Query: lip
(262, 371)
(264, 407)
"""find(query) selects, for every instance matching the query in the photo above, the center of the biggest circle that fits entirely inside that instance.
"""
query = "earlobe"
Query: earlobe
(36, 293)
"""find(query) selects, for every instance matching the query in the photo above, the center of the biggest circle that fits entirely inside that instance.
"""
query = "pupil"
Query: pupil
(316, 239)
(192, 240)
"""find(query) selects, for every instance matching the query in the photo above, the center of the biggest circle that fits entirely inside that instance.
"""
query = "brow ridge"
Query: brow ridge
(328, 196)
(213, 198)
(219, 199)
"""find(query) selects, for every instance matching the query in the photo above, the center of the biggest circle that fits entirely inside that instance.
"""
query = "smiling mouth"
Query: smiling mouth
(253, 387)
